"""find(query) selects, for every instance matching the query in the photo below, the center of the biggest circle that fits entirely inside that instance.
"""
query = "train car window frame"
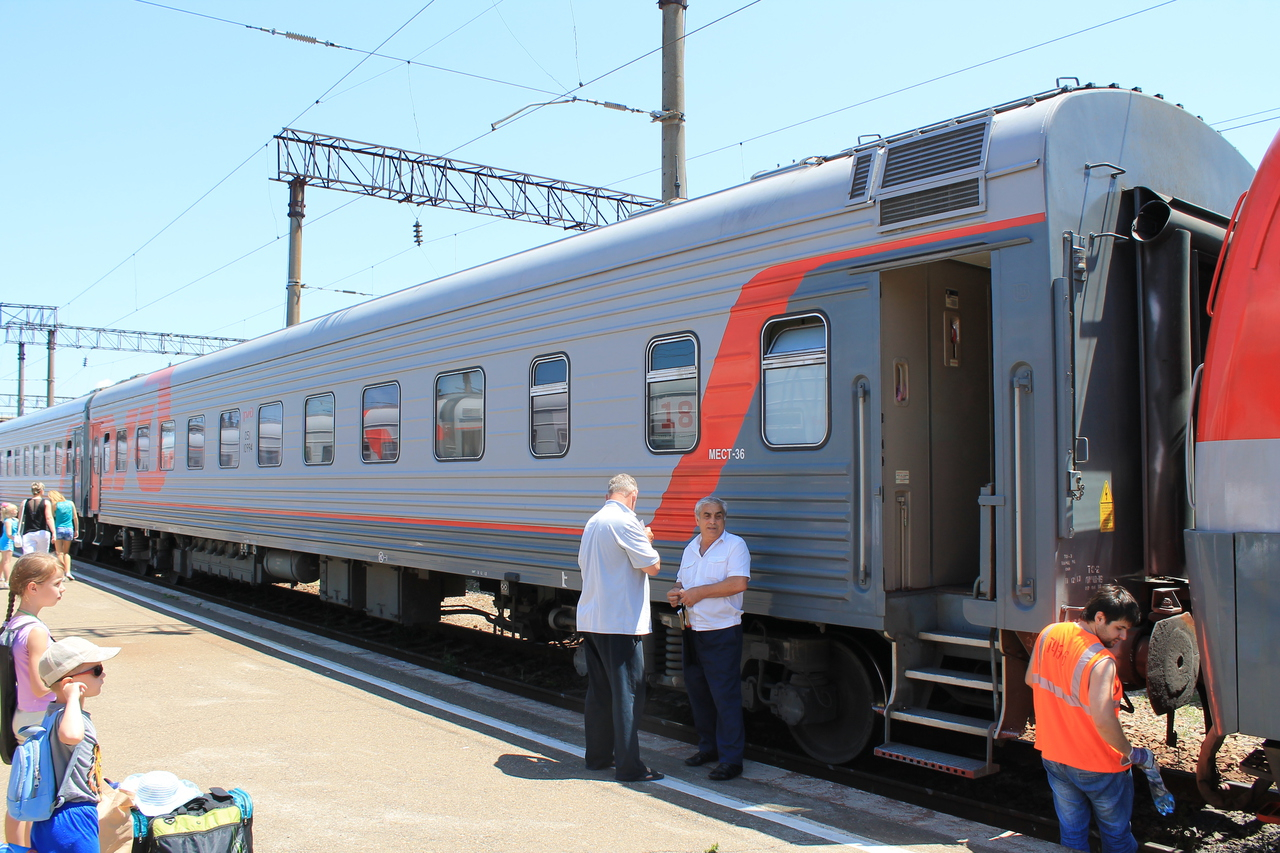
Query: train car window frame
(48, 460)
(122, 450)
(198, 455)
(665, 376)
(57, 459)
(168, 444)
(307, 431)
(279, 450)
(541, 392)
(8, 463)
(229, 450)
(455, 432)
(142, 448)
(27, 453)
(794, 360)
(367, 454)
(106, 452)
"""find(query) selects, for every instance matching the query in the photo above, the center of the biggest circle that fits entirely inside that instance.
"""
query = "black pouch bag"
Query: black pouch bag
(218, 822)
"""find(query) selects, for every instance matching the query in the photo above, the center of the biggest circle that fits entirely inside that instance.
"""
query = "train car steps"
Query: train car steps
(930, 647)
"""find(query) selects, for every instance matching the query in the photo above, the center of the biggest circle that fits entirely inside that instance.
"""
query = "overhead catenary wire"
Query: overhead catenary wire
(232, 172)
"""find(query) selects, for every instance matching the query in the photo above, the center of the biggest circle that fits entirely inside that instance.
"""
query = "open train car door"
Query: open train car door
(935, 367)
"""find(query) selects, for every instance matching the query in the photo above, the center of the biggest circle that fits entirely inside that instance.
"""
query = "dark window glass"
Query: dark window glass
(795, 382)
(317, 444)
(168, 439)
(671, 383)
(229, 439)
(106, 452)
(122, 450)
(195, 442)
(380, 423)
(270, 434)
(142, 449)
(460, 415)
(549, 406)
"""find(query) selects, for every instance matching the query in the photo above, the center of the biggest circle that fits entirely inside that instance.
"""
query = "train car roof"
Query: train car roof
(810, 190)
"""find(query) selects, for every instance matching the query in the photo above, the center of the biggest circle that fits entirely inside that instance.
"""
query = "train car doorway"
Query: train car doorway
(935, 331)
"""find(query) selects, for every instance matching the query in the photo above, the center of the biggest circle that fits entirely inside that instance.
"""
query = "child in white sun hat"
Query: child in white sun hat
(73, 669)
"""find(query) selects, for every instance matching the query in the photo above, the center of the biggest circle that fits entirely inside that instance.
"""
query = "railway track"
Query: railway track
(545, 673)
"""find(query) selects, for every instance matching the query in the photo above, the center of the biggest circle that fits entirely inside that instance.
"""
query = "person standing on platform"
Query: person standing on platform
(714, 572)
(8, 540)
(34, 585)
(37, 522)
(1077, 697)
(66, 529)
(616, 557)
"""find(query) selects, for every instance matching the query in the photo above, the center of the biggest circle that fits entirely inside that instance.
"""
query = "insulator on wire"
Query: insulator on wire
(417, 233)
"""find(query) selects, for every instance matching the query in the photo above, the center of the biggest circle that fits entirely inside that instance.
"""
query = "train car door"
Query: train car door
(75, 467)
(937, 436)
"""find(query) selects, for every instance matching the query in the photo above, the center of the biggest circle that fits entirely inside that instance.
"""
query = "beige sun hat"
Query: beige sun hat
(69, 655)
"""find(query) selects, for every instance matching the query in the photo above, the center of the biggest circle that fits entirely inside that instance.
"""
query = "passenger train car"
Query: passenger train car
(939, 379)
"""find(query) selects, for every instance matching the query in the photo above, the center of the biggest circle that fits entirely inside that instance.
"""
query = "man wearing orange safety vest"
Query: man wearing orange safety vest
(1077, 699)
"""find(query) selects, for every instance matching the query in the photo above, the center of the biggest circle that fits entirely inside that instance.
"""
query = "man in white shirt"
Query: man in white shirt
(714, 572)
(616, 557)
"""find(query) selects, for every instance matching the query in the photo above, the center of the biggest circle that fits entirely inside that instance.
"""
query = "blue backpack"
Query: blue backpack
(33, 786)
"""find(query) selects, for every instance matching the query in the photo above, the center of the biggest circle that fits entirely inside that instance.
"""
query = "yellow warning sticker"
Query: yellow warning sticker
(1106, 510)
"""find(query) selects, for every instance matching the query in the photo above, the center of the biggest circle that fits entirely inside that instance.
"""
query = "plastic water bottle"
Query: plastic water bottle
(1159, 793)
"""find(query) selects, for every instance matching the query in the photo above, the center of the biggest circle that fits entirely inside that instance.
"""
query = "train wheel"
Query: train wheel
(845, 736)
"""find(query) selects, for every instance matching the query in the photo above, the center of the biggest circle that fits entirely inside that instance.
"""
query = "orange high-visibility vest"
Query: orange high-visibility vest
(1066, 655)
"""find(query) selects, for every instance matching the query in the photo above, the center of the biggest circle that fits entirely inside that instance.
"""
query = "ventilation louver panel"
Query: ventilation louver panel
(938, 154)
(930, 202)
(861, 175)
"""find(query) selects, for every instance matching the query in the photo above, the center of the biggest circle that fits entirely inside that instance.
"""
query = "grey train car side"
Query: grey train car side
(890, 362)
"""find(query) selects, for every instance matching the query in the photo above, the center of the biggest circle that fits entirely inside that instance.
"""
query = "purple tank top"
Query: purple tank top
(21, 626)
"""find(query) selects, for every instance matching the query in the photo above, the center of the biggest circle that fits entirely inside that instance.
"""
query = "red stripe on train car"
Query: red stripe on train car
(735, 373)
(1240, 394)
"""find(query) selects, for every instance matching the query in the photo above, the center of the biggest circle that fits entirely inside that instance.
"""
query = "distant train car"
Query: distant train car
(941, 382)
(1233, 547)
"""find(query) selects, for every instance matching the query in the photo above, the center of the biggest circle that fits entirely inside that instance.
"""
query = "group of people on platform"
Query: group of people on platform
(1072, 673)
(46, 519)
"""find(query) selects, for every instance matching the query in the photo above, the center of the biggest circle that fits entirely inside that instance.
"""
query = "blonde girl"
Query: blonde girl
(34, 584)
(66, 529)
(8, 538)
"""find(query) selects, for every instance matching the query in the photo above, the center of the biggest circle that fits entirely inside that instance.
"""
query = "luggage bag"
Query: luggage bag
(217, 822)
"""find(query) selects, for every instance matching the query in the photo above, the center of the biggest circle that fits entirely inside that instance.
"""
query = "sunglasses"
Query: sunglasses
(97, 672)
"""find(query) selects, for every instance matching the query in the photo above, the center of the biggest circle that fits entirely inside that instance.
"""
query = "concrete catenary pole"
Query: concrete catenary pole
(22, 375)
(674, 185)
(53, 345)
(293, 307)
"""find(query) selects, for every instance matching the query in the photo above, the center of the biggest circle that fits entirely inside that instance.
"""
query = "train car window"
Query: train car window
(671, 391)
(26, 461)
(270, 434)
(106, 451)
(195, 442)
(57, 460)
(122, 450)
(142, 449)
(460, 415)
(549, 406)
(168, 440)
(8, 463)
(229, 439)
(794, 384)
(317, 441)
(48, 461)
(380, 423)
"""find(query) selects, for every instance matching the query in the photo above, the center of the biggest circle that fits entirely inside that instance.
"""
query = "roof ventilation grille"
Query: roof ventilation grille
(930, 202)
(861, 175)
(933, 155)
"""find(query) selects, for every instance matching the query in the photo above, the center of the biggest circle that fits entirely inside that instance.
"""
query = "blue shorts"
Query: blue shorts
(66, 534)
(73, 828)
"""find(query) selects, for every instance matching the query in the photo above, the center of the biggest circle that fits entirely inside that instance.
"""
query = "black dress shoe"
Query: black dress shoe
(700, 758)
(725, 772)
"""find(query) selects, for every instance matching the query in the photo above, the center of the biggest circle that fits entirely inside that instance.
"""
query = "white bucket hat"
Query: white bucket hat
(159, 792)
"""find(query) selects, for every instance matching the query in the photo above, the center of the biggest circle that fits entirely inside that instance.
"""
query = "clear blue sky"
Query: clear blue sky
(121, 115)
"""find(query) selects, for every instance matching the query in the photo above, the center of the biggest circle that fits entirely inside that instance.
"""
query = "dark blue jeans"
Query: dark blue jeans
(615, 701)
(1109, 796)
(713, 677)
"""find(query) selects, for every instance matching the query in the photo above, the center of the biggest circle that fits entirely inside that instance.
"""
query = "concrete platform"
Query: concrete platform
(345, 750)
